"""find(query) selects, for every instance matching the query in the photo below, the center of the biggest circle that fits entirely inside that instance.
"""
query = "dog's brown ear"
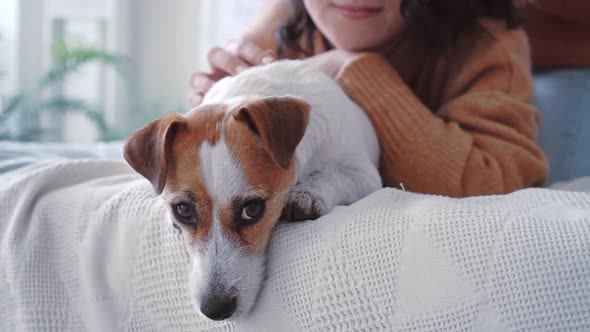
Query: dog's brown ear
(279, 121)
(147, 149)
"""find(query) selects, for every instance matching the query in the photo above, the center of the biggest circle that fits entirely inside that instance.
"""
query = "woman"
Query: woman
(447, 85)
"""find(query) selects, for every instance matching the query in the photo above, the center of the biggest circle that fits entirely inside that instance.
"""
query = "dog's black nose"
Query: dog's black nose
(218, 308)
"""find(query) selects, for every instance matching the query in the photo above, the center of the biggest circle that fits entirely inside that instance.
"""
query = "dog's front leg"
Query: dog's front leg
(329, 184)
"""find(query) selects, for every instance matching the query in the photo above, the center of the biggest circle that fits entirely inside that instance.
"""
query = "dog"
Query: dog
(276, 142)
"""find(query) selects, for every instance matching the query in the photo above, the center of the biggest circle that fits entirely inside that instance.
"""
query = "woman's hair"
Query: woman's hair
(437, 24)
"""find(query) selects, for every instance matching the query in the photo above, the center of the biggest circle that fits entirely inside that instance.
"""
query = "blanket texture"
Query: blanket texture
(85, 245)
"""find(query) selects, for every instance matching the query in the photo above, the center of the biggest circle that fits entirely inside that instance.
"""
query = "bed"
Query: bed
(84, 245)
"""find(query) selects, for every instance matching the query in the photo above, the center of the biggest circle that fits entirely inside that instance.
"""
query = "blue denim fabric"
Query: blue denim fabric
(563, 96)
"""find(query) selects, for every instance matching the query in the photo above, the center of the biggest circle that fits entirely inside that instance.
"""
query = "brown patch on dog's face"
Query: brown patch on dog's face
(263, 175)
(263, 134)
(184, 183)
(212, 125)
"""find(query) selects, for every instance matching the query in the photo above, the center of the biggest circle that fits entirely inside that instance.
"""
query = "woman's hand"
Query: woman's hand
(331, 62)
(236, 56)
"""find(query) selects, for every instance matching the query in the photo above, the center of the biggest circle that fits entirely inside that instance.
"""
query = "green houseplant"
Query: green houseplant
(18, 119)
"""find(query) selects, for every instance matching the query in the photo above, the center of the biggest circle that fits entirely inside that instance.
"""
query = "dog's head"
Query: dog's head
(225, 174)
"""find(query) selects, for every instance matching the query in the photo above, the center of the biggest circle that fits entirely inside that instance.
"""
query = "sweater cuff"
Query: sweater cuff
(398, 115)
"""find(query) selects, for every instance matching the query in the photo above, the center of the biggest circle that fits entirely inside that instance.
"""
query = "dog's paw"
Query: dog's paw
(303, 204)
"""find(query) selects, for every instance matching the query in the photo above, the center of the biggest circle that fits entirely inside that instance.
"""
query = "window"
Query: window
(162, 43)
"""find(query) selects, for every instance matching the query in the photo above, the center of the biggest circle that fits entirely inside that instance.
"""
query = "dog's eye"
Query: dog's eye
(184, 213)
(252, 211)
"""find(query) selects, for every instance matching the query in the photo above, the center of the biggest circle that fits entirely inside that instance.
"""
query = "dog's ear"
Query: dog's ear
(279, 121)
(147, 149)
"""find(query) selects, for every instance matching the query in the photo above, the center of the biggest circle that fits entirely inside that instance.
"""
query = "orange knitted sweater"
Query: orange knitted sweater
(459, 125)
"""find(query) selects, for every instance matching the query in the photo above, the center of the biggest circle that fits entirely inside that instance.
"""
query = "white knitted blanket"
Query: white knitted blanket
(84, 245)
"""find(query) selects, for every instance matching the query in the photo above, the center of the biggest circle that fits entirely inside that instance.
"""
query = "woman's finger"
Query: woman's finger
(253, 54)
(221, 59)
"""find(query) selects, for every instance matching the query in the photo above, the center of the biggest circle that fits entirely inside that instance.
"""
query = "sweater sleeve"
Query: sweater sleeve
(481, 141)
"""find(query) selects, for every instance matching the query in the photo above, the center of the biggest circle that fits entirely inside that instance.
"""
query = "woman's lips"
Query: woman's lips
(357, 12)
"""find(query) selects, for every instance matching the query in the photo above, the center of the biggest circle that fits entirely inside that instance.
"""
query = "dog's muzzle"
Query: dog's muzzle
(225, 279)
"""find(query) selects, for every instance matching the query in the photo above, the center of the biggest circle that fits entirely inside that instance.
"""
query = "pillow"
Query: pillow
(563, 97)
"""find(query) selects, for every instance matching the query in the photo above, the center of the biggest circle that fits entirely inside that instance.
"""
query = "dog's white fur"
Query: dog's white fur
(339, 135)
(336, 163)
(220, 263)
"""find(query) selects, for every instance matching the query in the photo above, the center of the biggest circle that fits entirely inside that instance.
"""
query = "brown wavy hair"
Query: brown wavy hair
(436, 23)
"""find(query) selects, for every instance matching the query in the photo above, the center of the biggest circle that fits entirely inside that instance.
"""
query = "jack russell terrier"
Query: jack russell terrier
(280, 141)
